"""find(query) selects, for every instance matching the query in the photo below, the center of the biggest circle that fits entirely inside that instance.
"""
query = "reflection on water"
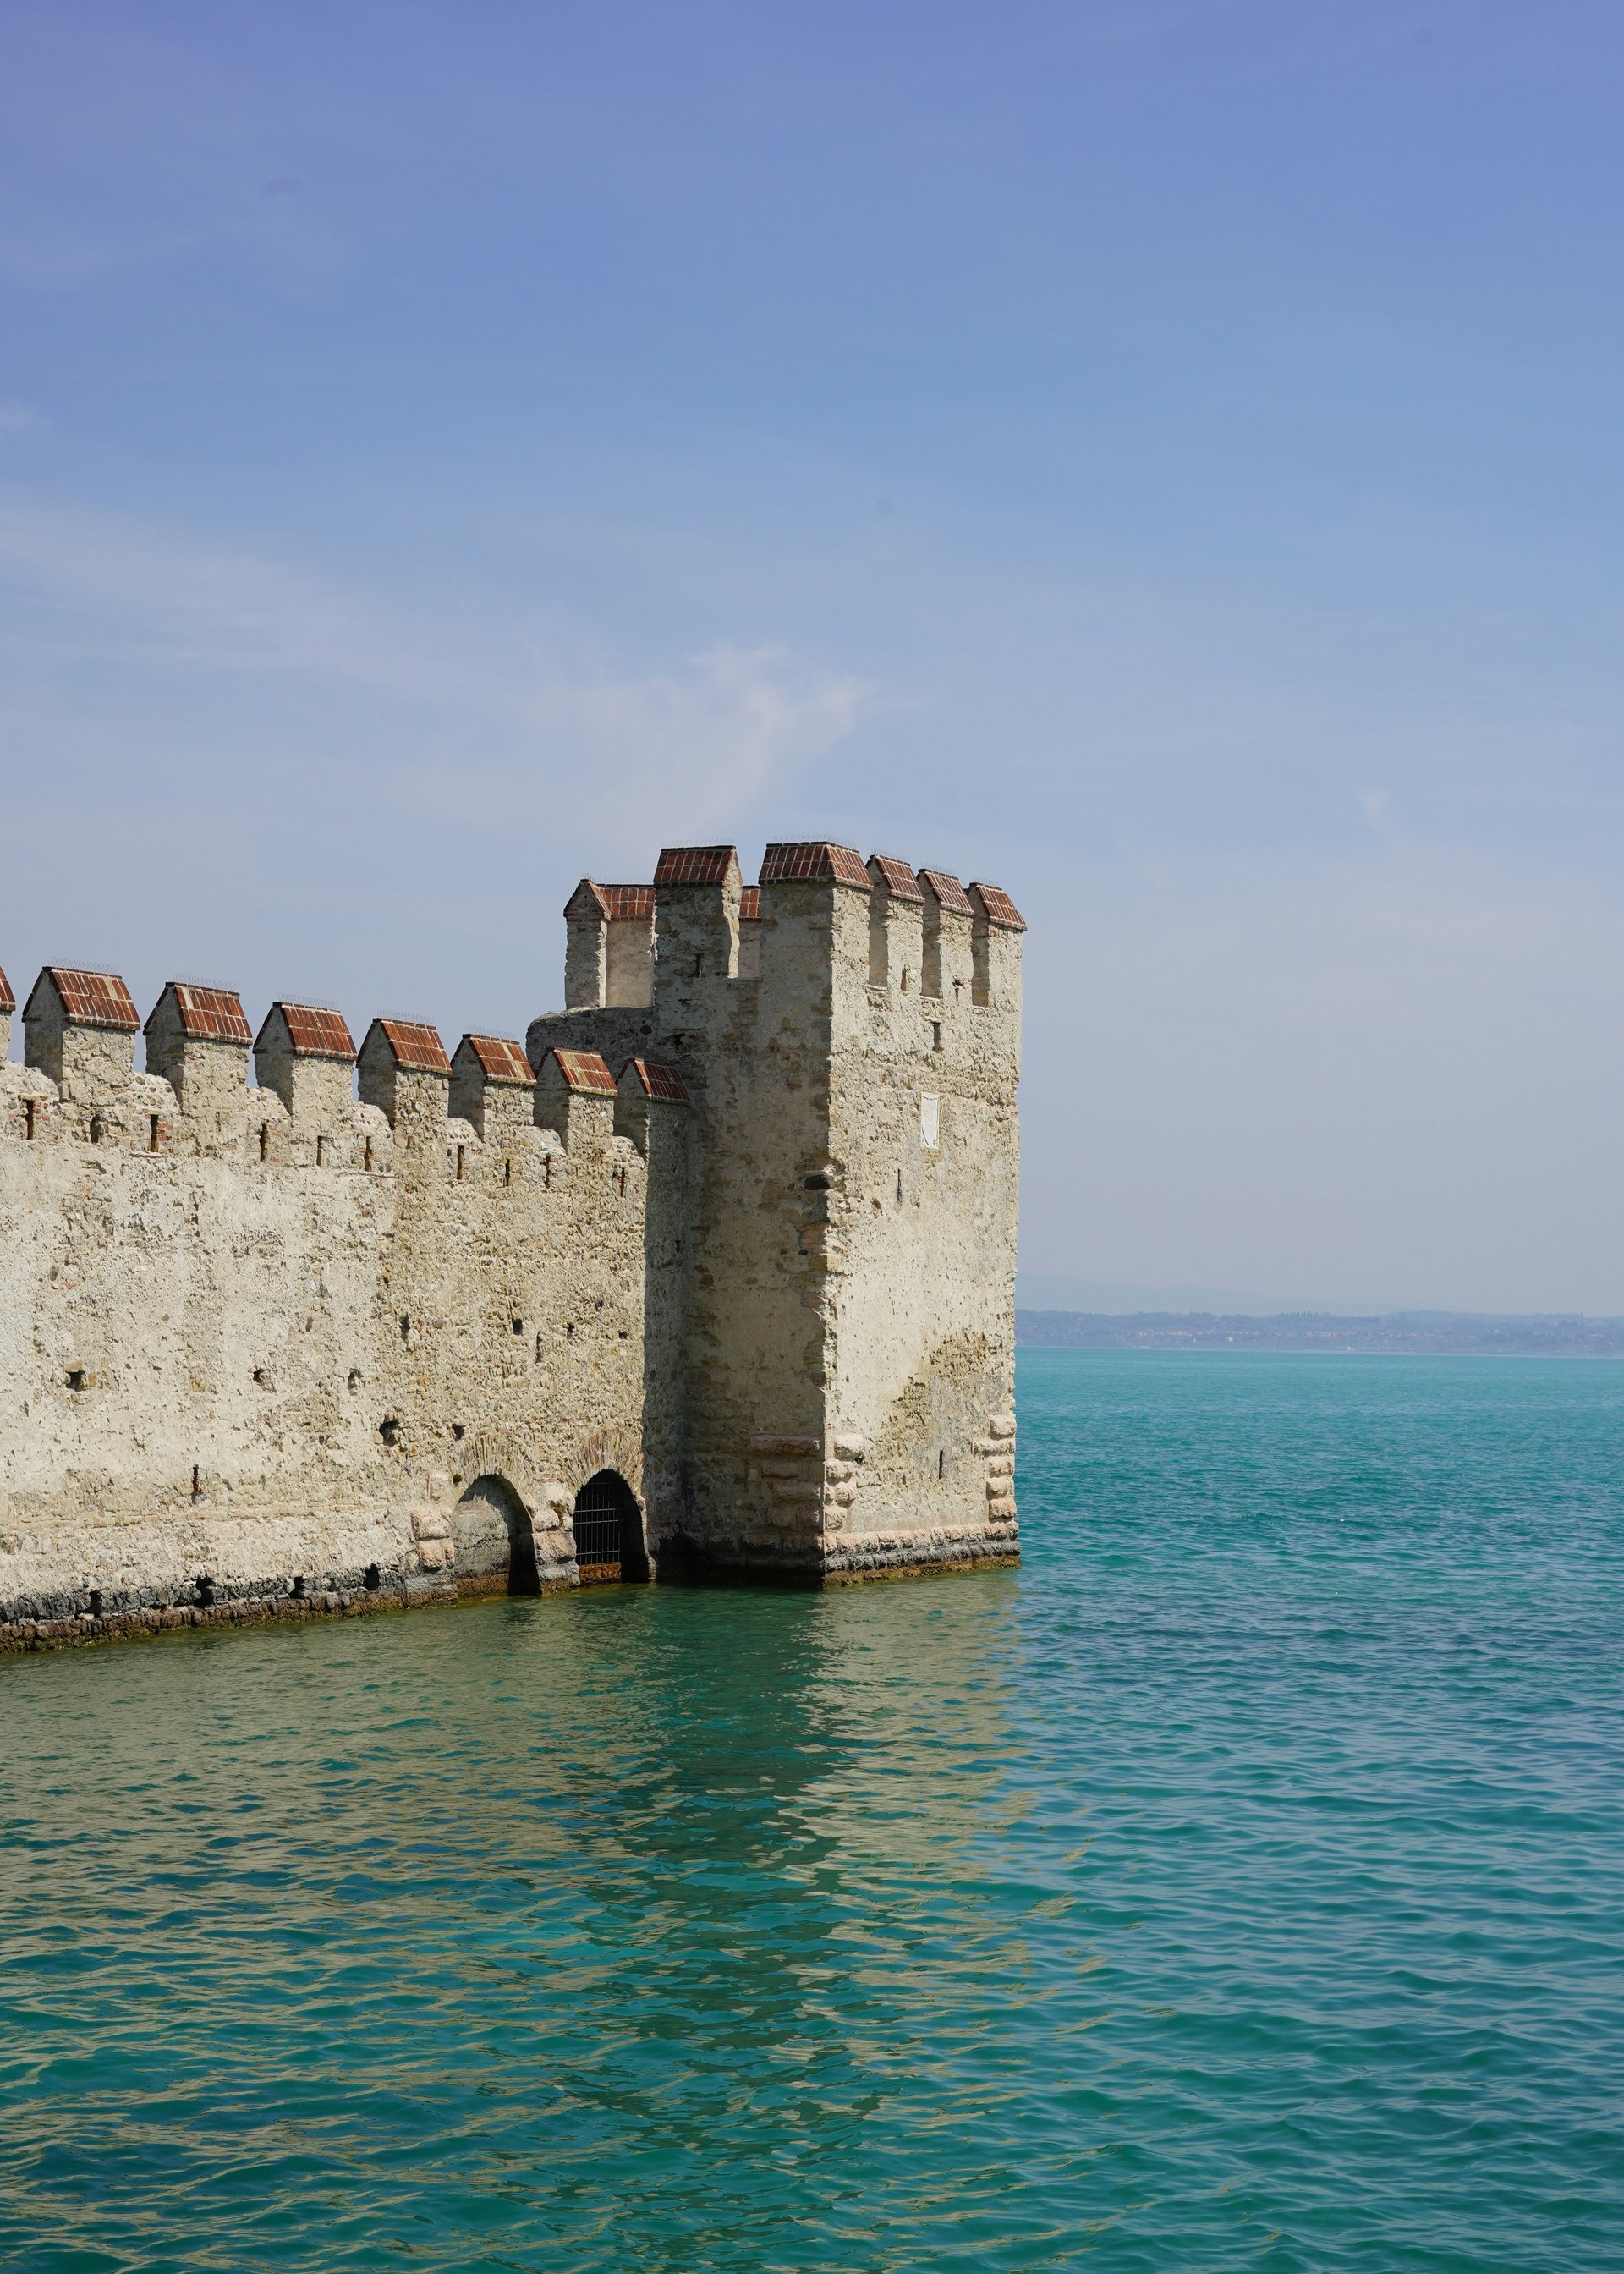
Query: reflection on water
(1230, 1887)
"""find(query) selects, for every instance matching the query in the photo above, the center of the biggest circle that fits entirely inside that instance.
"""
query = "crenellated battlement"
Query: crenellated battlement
(726, 1244)
(318, 1101)
(673, 944)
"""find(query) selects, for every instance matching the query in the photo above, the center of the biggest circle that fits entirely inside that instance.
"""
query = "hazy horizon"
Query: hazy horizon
(1037, 1291)
(1162, 460)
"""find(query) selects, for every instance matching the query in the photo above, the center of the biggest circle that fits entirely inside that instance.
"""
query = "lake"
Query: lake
(1238, 1884)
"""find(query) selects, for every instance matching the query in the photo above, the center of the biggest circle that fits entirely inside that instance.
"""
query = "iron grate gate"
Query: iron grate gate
(599, 1524)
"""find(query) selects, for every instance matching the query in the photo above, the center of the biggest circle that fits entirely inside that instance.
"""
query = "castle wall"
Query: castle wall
(850, 1401)
(758, 1063)
(850, 1346)
(750, 1243)
(253, 1372)
(921, 1341)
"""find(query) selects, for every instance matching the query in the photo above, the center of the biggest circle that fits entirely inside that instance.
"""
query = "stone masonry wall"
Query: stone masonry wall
(923, 1362)
(231, 1372)
(850, 1375)
(272, 1347)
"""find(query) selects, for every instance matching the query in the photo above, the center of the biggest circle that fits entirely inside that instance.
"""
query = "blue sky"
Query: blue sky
(1163, 458)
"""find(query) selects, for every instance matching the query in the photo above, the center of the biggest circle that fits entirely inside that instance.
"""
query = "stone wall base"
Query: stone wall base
(881, 1558)
(841, 1559)
(395, 1591)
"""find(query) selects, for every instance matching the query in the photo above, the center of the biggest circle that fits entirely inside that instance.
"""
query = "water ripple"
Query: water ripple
(1237, 1886)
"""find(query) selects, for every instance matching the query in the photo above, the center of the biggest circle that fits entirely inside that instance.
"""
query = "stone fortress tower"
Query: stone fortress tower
(714, 1275)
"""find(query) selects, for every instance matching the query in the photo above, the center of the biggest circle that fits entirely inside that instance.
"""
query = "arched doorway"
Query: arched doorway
(609, 1530)
(495, 1548)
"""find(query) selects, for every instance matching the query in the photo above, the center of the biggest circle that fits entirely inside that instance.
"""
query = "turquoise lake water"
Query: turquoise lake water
(1240, 1884)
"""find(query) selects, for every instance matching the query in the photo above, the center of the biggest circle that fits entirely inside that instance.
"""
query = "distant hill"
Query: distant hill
(1439, 1333)
(1051, 1290)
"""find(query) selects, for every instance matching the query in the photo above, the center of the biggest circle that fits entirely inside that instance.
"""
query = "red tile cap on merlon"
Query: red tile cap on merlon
(656, 1080)
(626, 903)
(815, 863)
(206, 1014)
(499, 1061)
(618, 903)
(946, 890)
(585, 1072)
(894, 876)
(8, 1001)
(997, 907)
(313, 1031)
(90, 999)
(417, 1047)
(749, 904)
(696, 864)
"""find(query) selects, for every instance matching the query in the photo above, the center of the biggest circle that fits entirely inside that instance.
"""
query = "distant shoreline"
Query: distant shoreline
(1436, 1334)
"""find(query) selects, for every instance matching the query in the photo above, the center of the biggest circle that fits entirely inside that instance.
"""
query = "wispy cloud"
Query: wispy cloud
(682, 750)
(497, 716)
(693, 747)
(134, 587)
